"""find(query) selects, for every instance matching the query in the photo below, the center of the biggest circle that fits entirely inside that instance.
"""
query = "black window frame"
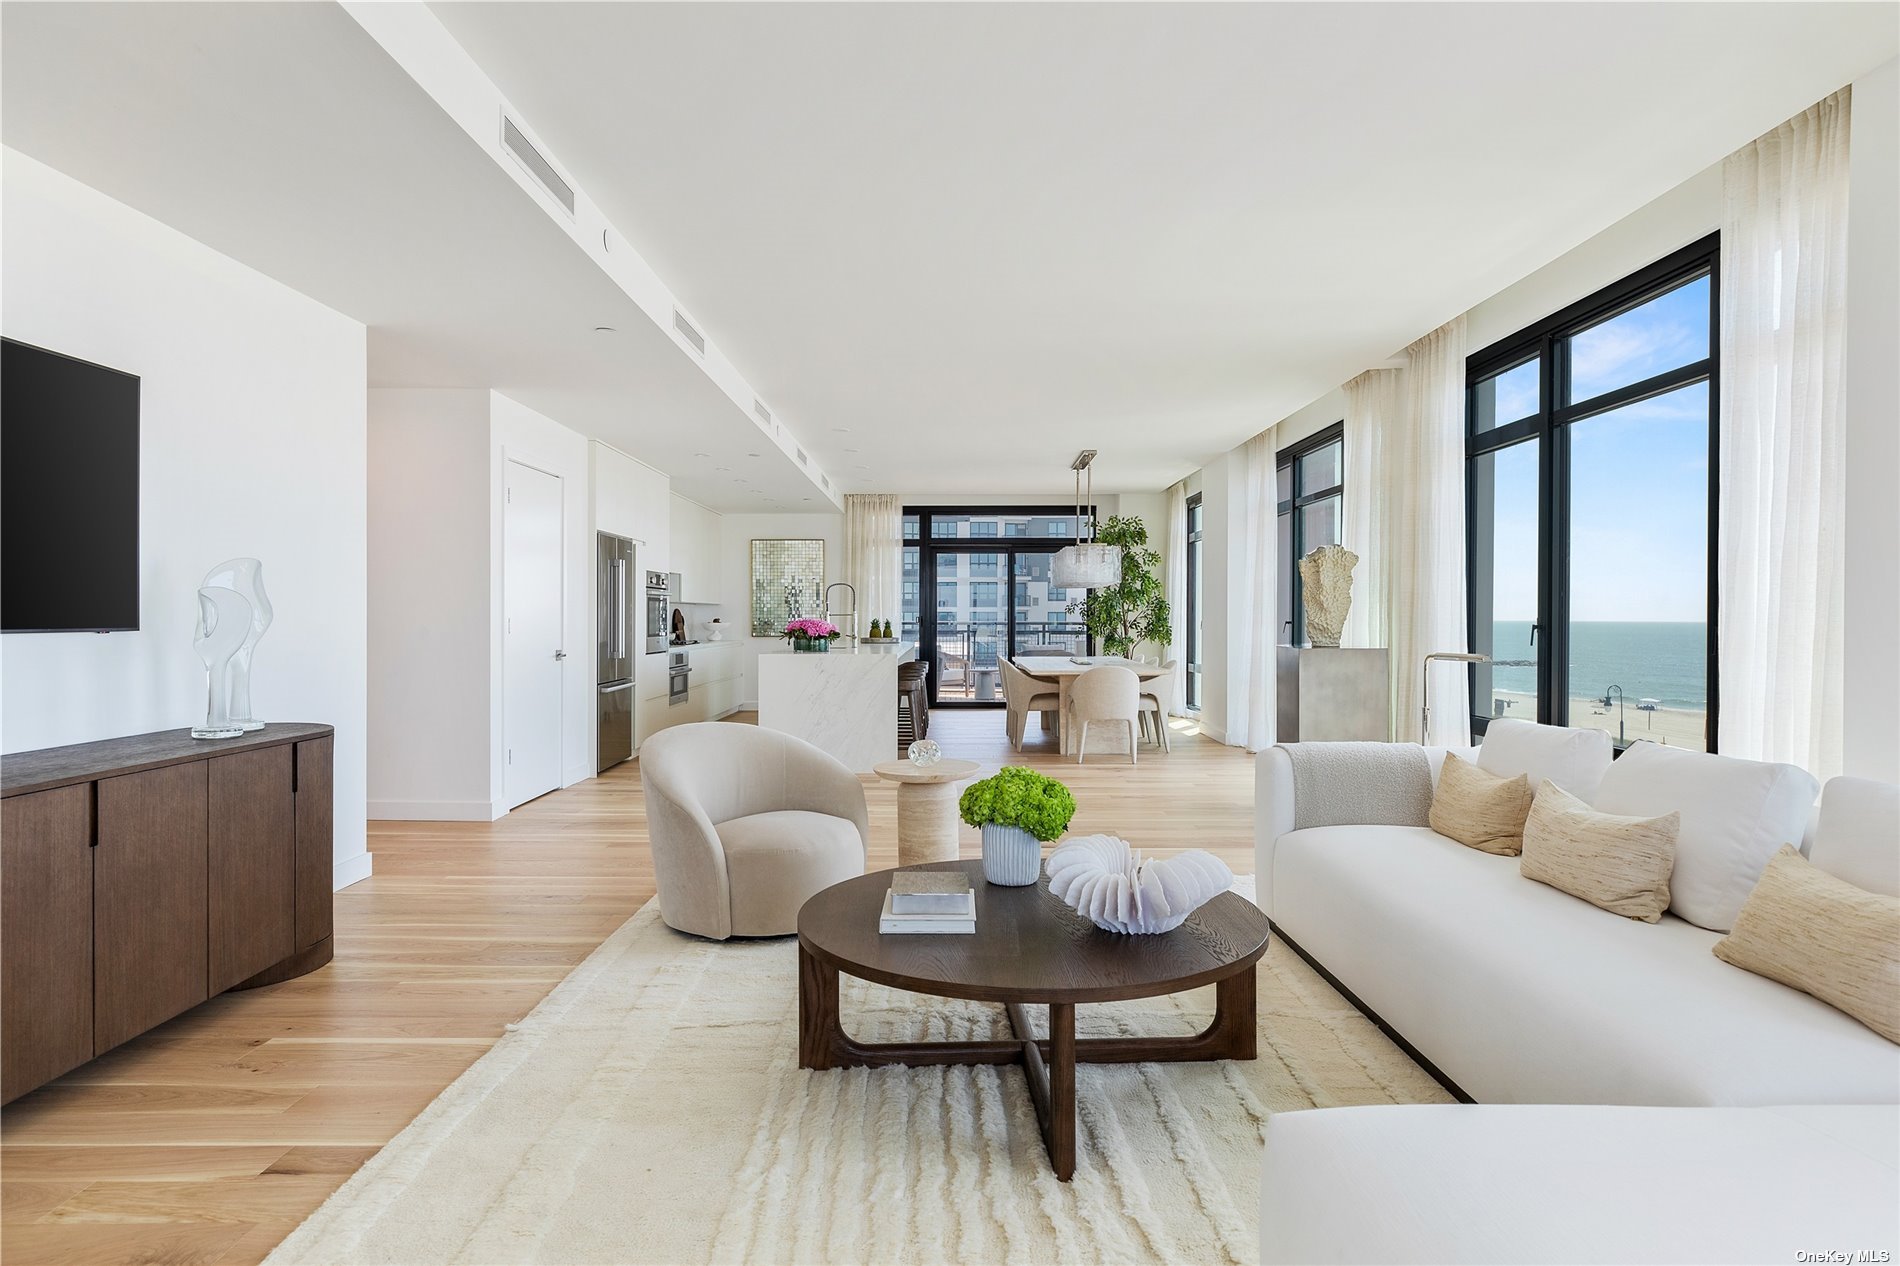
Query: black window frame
(1295, 456)
(1196, 561)
(1547, 341)
(1005, 546)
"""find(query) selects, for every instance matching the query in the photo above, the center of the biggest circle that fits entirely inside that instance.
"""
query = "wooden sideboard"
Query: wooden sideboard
(140, 876)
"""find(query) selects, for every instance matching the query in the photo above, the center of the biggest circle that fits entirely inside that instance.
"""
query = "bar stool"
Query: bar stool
(913, 702)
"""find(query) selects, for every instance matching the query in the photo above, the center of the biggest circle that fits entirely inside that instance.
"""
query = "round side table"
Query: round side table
(927, 807)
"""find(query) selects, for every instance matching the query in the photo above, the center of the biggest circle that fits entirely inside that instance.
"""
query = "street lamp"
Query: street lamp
(1618, 690)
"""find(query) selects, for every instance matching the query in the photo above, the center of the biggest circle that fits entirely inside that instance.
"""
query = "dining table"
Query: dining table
(1064, 669)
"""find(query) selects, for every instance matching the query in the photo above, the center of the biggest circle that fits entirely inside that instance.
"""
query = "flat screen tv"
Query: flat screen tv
(69, 494)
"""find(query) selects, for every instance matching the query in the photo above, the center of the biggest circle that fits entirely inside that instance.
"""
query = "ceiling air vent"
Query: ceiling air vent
(764, 414)
(801, 455)
(826, 481)
(687, 332)
(540, 168)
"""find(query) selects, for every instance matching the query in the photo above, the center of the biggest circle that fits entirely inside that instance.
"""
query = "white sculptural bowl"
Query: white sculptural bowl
(1101, 878)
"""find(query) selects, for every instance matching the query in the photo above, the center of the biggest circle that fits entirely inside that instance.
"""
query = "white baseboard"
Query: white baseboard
(432, 811)
(351, 870)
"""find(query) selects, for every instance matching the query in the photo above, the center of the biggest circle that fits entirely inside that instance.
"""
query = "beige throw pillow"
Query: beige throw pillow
(1822, 935)
(1621, 864)
(1481, 809)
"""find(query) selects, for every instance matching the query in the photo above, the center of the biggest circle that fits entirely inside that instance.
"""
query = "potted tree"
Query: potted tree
(1133, 610)
(1018, 810)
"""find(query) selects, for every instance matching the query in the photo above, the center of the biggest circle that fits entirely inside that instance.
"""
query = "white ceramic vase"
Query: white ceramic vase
(1012, 856)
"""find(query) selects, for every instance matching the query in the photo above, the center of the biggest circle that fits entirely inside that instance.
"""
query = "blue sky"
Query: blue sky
(1639, 475)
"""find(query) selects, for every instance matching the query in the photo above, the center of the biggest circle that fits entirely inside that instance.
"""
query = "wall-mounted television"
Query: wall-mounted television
(69, 494)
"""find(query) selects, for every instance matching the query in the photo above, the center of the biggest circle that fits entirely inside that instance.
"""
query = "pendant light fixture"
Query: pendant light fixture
(1085, 564)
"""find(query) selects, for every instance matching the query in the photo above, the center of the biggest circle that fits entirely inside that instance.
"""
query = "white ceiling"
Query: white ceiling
(980, 237)
(962, 240)
(283, 136)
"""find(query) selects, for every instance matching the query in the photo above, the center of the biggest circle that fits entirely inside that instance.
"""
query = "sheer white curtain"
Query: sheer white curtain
(1372, 413)
(1421, 539)
(873, 556)
(1174, 582)
(1253, 600)
(1783, 317)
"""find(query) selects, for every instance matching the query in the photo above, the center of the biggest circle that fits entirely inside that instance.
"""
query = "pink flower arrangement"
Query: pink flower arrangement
(811, 629)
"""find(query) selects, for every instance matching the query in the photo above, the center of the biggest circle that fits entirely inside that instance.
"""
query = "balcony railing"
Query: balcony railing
(967, 651)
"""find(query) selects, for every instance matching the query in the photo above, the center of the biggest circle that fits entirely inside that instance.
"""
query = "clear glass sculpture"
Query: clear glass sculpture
(224, 621)
(925, 752)
(245, 576)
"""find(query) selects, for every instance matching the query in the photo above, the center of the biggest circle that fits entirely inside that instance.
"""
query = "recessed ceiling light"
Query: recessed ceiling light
(708, 455)
(851, 450)
(841, 430)
(603, 329)
(860, 466)
(805, 498)
(751, 454)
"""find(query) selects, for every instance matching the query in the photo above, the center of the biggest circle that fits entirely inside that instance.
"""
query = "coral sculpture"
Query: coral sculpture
(1326, 592)
(1108, 883)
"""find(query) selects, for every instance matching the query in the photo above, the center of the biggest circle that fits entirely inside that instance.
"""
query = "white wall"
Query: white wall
(1873, 430)
(429, 604)
(520, 434)
(252, 443)
(736, 534)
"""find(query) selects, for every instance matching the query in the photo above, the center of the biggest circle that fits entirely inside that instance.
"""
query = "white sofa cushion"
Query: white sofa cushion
(1437, 1183)
(1735, 814)
(1523, 994)
(1858, 838)
(1574, 759)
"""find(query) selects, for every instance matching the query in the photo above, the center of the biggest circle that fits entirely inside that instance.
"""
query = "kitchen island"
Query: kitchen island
(842, 701)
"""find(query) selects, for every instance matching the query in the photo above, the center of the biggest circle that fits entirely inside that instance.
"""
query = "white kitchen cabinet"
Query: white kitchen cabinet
(695, 550)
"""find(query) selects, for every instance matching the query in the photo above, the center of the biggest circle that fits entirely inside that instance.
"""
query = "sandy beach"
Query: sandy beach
(1675, 727)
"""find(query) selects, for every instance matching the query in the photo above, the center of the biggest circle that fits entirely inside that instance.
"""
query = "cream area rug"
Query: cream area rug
(651, 1109)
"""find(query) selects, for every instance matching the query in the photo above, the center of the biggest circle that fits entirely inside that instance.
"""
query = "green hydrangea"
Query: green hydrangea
(1015, 796)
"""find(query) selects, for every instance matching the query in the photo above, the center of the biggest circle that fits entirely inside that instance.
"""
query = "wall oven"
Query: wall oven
(679, 672)
(657, 613)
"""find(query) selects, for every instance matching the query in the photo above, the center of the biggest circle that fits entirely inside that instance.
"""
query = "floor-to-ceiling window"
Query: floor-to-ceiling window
(1311, 489)
(1196, 580)
(989, 571)
(1590, 444)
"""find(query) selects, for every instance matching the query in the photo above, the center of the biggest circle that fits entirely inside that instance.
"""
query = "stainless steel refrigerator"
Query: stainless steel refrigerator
(614, 655)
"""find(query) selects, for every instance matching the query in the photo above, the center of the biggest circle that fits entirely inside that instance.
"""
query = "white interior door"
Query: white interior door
(533, 653)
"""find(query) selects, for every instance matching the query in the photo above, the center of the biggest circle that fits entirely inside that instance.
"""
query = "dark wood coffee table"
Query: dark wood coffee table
(1028, 949)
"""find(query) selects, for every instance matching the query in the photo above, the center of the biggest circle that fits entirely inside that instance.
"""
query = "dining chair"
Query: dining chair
(1154, 700)
(1023, 694)
(1107, 692)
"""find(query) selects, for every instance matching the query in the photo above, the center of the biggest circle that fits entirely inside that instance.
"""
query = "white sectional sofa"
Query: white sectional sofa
(1522, 996)
(1517, 993)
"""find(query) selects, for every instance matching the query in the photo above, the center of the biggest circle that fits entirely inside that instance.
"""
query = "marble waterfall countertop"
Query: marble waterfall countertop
(842, 701)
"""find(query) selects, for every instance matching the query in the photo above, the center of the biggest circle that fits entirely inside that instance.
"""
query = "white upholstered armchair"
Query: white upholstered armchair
(746, 824)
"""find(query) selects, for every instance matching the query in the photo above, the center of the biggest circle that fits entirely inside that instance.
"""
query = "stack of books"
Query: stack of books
(930, 902)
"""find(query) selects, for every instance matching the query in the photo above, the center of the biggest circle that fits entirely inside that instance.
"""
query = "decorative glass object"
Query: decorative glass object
(1102, 879)
(925, 752)
(224, 621)
(788, 582)
(246, 576)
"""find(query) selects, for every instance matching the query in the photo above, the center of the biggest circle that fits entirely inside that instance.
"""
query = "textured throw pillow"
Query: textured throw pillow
(1810, 931)
(1621, 864)
(1481, 810)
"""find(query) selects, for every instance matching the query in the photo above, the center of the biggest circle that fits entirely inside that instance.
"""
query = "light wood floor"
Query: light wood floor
(208, 1139)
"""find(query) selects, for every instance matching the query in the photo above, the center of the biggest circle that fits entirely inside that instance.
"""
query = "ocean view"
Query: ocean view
(1665, 662)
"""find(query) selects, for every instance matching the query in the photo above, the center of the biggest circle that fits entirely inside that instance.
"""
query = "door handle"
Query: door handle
(560, 654)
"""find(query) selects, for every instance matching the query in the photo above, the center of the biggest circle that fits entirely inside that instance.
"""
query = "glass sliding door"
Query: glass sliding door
(983, 577)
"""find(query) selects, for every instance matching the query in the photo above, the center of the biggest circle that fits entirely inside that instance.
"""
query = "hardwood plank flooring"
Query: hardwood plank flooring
(210, 1138)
